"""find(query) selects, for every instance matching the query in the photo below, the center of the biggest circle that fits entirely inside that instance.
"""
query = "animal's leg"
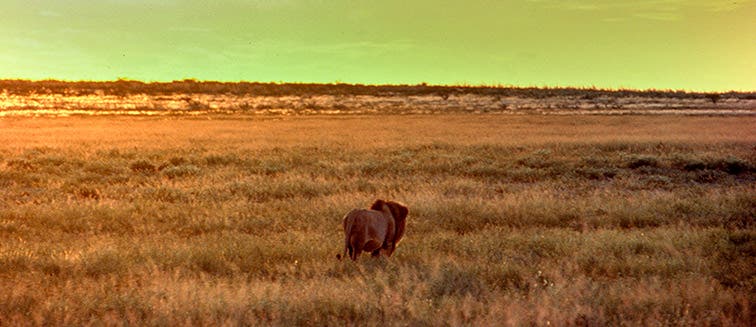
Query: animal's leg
(356, 254)
(376, 253)
(347, 249)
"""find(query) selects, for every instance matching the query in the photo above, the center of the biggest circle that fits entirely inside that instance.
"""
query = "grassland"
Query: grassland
(575, 220)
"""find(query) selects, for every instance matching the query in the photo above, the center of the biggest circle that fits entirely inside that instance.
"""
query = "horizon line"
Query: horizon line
(342, 83)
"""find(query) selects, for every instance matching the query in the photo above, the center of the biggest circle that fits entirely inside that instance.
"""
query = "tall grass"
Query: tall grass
(238, 222)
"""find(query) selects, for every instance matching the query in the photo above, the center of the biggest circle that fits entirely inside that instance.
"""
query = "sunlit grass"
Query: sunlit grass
(513, 220)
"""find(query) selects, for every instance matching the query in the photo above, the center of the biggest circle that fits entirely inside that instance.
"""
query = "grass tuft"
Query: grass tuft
(181, 171)
(143, 166)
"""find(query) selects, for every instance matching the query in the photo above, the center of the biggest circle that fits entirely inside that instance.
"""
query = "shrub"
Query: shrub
(713, 97)
(694, 165)
(732, 165)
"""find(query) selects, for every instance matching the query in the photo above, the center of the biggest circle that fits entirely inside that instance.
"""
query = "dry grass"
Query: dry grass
(574, 220)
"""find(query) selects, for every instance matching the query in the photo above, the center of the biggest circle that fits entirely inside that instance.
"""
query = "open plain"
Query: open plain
(514, 219)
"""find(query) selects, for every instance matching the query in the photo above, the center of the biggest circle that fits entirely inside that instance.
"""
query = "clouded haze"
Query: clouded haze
(695, 44)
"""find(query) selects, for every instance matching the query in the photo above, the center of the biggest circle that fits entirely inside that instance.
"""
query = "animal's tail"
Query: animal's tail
(347, 224)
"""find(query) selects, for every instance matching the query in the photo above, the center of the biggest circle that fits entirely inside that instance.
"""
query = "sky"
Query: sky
(697, 45)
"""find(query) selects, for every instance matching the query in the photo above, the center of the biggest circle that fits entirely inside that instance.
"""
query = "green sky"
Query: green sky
(704, 45)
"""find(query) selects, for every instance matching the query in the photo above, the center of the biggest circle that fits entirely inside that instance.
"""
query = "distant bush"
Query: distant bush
(729, 165)
(713, 97)
(732, 165)
(124, 87)
(639, 161)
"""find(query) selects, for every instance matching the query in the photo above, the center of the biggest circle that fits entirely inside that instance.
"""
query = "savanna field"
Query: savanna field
(514, 220)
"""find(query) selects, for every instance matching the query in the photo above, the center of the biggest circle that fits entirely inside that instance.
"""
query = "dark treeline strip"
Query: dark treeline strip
(123, 87)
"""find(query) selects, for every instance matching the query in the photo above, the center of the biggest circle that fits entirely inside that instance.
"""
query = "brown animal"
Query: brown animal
(375, 230)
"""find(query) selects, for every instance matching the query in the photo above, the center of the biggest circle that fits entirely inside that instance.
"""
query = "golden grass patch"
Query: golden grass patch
(513, 219)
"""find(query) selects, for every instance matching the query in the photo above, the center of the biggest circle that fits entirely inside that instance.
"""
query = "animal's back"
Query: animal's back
(360, 229)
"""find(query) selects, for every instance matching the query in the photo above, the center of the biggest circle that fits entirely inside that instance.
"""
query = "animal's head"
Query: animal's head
(398, 211)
